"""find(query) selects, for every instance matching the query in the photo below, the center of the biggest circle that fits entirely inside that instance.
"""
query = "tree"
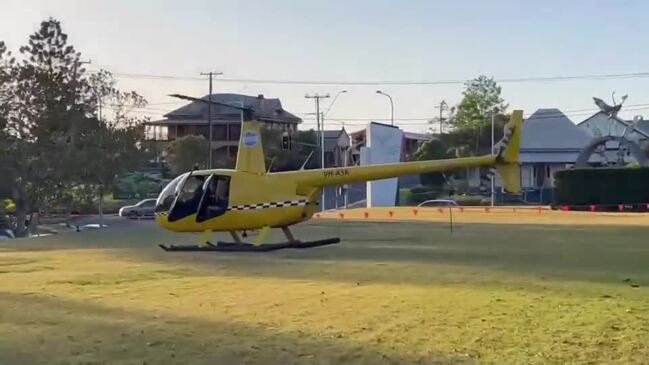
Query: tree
(481, 99)
(186, 153)
(111, 145)
(49, 128)
(42, 116)
(432, 149)
(462, 142)
(303, 143)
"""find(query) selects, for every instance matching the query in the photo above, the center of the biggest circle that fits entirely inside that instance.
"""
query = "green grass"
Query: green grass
(401, 293)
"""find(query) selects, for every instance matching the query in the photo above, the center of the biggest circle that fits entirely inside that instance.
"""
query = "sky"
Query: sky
(357, 40)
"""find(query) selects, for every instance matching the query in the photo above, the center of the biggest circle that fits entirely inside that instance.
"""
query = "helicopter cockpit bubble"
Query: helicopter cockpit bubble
(187, 197)
(168, 194)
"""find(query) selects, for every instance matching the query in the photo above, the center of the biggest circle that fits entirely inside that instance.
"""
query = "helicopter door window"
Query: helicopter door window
(188, 198)
(215, 198)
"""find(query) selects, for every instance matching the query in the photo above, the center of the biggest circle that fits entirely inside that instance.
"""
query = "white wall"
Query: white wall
(529, 174)
(383, 146)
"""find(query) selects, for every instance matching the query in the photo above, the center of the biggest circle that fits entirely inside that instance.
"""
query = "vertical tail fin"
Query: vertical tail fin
(250, 157)
(507, 150)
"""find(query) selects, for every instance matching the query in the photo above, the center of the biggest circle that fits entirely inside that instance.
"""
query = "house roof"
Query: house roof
(643, 126)
(331, 138)
(332, 133)
(263, 109)
(407, 135)
(190, 121)
(418, 136)
(549, 130)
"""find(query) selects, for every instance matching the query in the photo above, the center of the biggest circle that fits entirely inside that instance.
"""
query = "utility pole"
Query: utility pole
(209, 116)
(320, 128)
(442, 107)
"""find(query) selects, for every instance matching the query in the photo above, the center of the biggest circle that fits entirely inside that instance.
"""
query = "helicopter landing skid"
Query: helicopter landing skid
(249, 247)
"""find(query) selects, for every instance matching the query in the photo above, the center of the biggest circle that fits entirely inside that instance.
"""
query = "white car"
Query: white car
(144, 208)
(439, 203)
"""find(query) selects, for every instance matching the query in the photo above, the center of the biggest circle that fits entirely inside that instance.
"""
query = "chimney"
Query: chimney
(260, 99)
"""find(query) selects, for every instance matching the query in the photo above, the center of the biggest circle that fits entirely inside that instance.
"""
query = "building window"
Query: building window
(203, 130)
(219, 132)
(235, 132)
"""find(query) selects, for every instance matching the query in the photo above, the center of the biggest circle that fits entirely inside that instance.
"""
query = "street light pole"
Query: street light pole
(334, 101)
(391, 106)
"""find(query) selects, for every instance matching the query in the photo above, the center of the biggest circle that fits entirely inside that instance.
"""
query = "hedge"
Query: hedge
(601, 186)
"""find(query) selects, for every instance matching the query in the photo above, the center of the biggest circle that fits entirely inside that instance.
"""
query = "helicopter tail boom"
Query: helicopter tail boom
(505, 159)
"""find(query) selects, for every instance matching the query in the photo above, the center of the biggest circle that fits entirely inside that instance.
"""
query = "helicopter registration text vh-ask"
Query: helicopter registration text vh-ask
(250, 198)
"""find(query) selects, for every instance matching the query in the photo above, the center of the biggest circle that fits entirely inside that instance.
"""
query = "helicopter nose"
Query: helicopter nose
(161, 218)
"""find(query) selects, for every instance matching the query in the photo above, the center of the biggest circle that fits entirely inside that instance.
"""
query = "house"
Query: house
(192, 119)
(550, 141)
(409, 146)
(336, 148)
(357, 193)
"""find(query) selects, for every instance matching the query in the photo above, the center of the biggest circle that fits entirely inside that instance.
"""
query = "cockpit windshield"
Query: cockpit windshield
(203, 195)
(168, 194)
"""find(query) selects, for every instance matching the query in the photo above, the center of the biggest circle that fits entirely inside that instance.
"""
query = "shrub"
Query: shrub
(601, 186)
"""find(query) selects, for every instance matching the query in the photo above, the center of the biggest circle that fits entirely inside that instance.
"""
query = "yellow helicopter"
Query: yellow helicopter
(250, 198)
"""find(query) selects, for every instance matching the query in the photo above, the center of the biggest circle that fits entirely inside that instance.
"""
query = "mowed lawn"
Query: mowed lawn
(391, 293)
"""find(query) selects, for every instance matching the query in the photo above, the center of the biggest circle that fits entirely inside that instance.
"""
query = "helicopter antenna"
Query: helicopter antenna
(306, 160)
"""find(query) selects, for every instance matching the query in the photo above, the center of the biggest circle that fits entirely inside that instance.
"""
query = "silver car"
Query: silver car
(144, 208)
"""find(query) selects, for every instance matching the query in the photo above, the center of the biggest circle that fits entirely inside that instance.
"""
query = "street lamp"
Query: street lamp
(391, 106)
(334, 101)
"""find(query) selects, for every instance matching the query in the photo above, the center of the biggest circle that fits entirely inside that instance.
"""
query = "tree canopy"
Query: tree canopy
(51, 136)
(186, 153)
(303, 143)
(433, 149)
(481, 98)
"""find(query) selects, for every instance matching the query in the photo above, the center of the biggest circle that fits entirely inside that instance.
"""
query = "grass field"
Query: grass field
(391, 293)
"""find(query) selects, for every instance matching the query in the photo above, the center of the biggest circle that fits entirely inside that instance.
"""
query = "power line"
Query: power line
(426, 120)
(539, 79)
(567, 112)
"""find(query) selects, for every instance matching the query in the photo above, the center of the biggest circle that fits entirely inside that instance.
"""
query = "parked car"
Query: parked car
(144, 208)
(439, 203)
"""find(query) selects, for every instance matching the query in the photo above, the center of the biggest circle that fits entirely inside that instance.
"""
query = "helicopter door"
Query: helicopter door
(188, 198)
(214, 201)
